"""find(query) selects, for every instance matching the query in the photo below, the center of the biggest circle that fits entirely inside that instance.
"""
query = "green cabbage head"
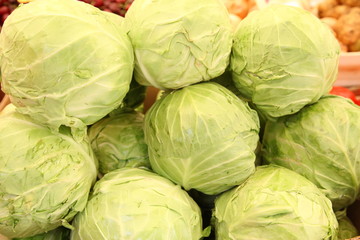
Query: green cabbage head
(283, 58)
(64, 62)
(202, 137)
(60, 233)
(133, 203)
(274, 204)
(178, 43)
(118, 141)
(321, 143)
(45, 178)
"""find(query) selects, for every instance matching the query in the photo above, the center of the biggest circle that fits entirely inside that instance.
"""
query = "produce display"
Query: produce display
(343, 16)
(246, 140)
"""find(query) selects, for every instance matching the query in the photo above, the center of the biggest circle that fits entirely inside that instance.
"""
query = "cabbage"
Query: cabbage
(136, 94)
(283, 58)
(114, 18)
(178, 43)
(227, 81)
(64, 62)
(131, 203)
(274, 204)
(45, 178)
(60, 233)
(321, 143)
(118, 141)
(202, 137)
(346, 227)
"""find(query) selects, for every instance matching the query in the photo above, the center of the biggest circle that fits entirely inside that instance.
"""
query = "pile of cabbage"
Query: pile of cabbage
(244, 141)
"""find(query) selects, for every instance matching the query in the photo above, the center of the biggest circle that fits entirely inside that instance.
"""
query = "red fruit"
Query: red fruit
(114, 7)
(4, 16)
(107, 3)
(98, 3)
(4, 10)
(344, 92)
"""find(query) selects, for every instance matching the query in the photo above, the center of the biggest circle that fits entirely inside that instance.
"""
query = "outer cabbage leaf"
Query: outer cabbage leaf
(132, 203)
(283, 58)
(274, 204)
(64, 62)
(45, 178)
(321, 143)
(178, 43)
(202, 137)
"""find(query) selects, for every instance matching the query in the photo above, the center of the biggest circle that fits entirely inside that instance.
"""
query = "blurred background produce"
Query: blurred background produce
(6, 7)
(342, 16)
(115, 6)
